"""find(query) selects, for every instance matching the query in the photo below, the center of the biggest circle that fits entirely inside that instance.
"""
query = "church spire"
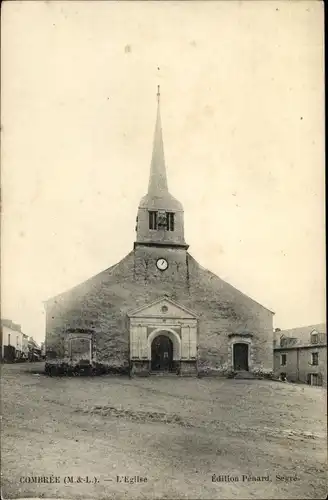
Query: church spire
(157, 180)
(160, 219)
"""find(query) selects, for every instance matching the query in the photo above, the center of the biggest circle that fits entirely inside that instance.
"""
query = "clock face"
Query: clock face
(162, 264)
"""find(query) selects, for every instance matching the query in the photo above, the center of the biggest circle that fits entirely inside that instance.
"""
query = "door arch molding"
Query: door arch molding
(172, 335)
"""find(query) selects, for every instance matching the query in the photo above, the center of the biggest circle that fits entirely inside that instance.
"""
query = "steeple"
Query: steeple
(160, 218)
(157, 178)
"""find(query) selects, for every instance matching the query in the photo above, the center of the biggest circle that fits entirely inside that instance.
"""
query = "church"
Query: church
(158, 310)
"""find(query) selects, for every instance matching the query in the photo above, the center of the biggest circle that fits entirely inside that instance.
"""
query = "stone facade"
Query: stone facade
(102, 308)
(111, 321)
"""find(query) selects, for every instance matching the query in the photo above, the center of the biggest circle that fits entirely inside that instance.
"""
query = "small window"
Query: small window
(283, 359)
(315, 358)
(314, 338)
(152, 220)
(8, 338)
(17, 340)
(170, 221)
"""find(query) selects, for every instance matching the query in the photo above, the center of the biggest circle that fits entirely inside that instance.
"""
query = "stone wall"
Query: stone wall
(101, 304)
(305, 366)
(291, 364)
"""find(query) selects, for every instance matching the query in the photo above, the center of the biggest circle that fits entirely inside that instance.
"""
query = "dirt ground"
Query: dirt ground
(176, 432)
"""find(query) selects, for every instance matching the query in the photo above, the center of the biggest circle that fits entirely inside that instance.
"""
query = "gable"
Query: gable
(163, 307)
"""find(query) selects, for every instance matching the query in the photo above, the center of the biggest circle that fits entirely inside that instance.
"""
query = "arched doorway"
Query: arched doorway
(240, 356)
(161, 354)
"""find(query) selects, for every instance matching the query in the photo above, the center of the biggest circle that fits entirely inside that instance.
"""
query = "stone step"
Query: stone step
(163, 374)
(243, 374)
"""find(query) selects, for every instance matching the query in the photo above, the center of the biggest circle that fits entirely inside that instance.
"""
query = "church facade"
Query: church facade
(158, 310)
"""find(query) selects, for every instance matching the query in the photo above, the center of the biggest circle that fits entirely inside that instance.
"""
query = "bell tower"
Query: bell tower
(160, 220)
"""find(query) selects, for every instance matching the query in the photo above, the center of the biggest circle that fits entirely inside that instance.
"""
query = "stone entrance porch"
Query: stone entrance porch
(163, 339)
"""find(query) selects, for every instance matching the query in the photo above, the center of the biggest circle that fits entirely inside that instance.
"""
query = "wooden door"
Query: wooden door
(240, 357)
(161, 354)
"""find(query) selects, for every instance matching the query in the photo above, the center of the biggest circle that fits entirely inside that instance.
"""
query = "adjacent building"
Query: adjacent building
(34, 350)
(25, 346)
(158, 309)
(14, 343)
(300, 354)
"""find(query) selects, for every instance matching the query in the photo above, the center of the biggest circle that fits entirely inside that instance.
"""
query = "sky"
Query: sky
(242, 105)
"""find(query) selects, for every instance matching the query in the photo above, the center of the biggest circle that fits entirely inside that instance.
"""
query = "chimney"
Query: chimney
(275, 335)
